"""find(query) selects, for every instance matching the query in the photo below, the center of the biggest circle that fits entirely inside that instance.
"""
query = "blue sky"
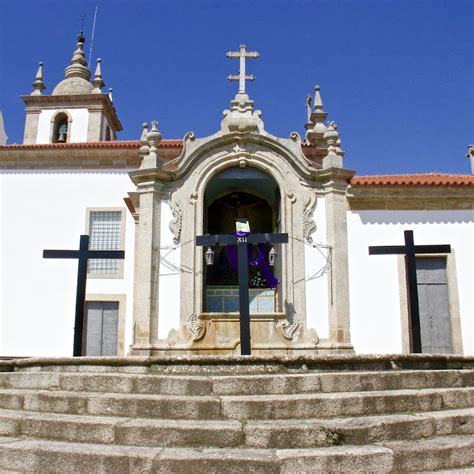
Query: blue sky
(397, 76)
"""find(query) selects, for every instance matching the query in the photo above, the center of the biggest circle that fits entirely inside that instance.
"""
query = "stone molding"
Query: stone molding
(60, 157)
(410, 198)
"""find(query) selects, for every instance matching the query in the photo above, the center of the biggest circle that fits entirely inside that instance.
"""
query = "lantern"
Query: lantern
(272, 256)
(209, 256)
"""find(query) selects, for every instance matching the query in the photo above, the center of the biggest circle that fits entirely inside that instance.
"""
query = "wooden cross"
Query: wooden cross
(410, 250)
(83, 255)
(243, 272)
(242, 77)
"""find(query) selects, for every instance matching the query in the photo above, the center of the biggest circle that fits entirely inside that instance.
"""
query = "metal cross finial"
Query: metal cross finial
(82, 18)
(242, 54)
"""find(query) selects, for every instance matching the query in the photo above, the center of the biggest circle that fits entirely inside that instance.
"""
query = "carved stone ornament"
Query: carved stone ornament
(238, 149)
(196, 327)
(309, 226)
(288, 330)
(176, 223)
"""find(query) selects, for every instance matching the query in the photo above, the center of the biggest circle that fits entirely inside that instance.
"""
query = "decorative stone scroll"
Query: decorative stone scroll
(288, 330)
(196, 327)
(176, 223)
(309, 226)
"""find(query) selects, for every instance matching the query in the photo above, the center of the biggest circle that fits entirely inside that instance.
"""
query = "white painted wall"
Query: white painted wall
(170, 277)
(47, 210)
(374, 282)
(316, 274)
(80, 122)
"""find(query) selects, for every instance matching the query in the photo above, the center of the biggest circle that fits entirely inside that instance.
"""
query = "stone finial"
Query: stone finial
(78, 66)
(144, 145)
(110, 94)
(334, 156)
(315, 126)
(470, 155)
(241, 117)
(242, 77)
(98, 81)
(318, 101)
(153, 138)
(39, 84)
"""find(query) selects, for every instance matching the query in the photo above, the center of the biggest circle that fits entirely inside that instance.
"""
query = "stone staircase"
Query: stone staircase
(233, 414)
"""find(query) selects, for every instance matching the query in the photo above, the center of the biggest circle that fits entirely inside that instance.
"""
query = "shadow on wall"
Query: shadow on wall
(415, 217)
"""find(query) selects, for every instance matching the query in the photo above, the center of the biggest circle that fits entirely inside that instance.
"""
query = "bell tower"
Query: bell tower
(77, 110)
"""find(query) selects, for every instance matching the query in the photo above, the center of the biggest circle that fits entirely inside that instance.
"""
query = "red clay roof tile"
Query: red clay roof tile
(112, 144)
(427, 179)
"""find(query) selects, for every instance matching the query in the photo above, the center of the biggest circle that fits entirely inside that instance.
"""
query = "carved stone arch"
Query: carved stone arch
(294, 197)
(53, 124)
(195, 150)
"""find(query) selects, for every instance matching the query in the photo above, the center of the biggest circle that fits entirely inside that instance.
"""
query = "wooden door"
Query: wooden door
(101, 328)
(435, 319)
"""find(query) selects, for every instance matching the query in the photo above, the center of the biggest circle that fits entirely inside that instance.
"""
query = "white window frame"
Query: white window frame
(120, 273)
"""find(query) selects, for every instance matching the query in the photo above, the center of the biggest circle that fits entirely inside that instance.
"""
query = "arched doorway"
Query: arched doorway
(232, 194)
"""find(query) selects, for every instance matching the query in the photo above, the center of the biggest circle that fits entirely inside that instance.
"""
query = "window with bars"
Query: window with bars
(104, 234)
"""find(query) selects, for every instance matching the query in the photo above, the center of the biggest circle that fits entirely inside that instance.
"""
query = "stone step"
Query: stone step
(122, 431)
(141, 406)
(449, 452)
(56, 457)
(357, 430)
(232, 433)
(345, 404)
(437, 453)
(237, 385)
(321, 405)
(243, 365)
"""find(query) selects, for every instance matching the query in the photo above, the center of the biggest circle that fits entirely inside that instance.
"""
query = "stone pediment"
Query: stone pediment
(243, 146)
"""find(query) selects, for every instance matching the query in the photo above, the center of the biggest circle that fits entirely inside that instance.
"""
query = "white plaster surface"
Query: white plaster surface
(374, 283)
(80, 118)
(170, 279)
(316, 280)
(47, 210)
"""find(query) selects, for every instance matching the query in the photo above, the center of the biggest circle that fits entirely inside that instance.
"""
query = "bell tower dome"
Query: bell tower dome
(76, 111)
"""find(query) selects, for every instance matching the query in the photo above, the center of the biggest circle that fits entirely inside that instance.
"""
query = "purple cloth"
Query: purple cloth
(260, 262)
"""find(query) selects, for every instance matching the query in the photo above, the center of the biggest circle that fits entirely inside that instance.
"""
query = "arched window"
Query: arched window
(61, 128)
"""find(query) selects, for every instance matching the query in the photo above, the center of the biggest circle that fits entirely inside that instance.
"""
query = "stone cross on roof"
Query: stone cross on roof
(242, 54)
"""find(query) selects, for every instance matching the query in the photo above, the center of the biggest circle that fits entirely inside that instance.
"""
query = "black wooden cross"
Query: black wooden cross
(243, 271)
(83, 255)
(410, 250)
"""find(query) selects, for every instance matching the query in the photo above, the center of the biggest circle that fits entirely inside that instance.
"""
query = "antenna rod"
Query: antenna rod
(92, 37)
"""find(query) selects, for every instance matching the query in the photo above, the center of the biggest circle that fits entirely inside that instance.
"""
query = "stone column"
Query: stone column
(146, 271)
(94, 125)
(31, 125)
(336, 223)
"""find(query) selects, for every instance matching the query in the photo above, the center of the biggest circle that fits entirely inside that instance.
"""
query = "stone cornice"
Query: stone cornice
(98, 155)
(410, 197)
(90, 101)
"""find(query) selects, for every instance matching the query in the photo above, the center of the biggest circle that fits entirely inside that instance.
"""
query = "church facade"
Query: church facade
(320, 292)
